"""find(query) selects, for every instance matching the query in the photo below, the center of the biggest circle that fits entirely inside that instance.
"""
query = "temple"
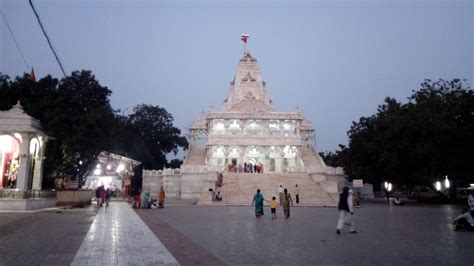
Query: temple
(22, 146)
(249, 145)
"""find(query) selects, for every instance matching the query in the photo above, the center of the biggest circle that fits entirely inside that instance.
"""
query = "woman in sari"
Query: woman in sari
(286, 203)
(258, 200)
(161, 199)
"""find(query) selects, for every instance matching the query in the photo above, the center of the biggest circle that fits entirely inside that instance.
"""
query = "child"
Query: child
(273, 206)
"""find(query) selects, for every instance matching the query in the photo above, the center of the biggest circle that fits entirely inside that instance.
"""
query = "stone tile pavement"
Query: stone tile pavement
(185, 250)
(43, 238)
(387, 235)
(119, 237)
(216, 235)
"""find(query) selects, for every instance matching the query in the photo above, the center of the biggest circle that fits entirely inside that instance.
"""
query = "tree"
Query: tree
(415, 143)
(75, 112)
(148, 135)
(330, 158)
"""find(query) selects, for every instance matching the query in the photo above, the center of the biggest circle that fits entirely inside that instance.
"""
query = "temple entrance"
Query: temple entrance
(272, 165)
(252, 161)
(9, 161)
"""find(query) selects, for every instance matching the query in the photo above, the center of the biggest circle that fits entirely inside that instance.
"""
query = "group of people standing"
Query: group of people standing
(285, 201)
(345, 206)
(246, 168)
(102, 196)
(144, 201)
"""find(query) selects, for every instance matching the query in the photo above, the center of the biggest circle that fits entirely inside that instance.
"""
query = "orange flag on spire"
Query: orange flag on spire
(32, 75)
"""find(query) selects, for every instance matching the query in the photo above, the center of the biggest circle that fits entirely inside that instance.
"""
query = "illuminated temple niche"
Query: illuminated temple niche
(218, 126)
(217, 156)
(234, 152)
(234, 126)
(274, 126)
(254, 155)
(218, 151)
(253, 127)
(288, 126)
(289, 152)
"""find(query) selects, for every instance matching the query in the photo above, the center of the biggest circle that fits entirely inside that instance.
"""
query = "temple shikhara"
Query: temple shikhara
(249, 145)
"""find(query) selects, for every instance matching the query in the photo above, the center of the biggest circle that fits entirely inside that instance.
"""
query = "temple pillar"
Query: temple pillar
(38, 166)
(23, 169)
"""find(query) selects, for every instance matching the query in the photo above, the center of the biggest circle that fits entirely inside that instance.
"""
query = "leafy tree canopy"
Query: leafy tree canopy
(148, 135)
(430, 136)
(330, 159)
(76, 112)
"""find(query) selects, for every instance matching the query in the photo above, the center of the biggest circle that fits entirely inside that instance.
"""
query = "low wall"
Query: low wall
(192, 185)
(26, 204)
(74, 197)
(170, 179)
(26, 194)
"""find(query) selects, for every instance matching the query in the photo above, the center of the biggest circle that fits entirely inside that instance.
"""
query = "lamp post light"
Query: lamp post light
(438, 186)
(388, 188)
(447, 184)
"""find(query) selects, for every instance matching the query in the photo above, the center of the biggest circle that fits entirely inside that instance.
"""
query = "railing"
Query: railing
(26, 194)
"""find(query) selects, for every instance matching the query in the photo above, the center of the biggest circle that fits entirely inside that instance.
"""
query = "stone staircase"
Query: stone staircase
(239, 188)
(311, 158)
(196, 155)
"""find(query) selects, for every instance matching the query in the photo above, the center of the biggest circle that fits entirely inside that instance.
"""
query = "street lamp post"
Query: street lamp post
(388, 188)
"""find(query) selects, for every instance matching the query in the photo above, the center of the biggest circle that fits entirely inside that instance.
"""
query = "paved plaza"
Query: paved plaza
(43, 238)
(387, 235)
(190, 235)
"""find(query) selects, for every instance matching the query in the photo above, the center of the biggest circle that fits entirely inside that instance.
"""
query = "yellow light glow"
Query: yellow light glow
(120, 168)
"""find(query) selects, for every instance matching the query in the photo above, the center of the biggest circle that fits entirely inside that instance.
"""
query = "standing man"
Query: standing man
(286, 203)
(345, 211)
(470, 201)
(280, 193)
(297, 194)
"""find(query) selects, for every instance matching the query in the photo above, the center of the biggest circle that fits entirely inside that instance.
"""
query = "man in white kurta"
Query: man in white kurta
(346, 211)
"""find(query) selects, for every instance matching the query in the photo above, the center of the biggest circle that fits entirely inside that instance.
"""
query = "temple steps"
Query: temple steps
(310, 158)
(196, 155)
(239, 188)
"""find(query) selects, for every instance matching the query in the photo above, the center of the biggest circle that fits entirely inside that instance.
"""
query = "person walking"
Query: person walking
(345, 211)
(297, 194)
(102, 195)
(258, 200)
(286, 203)
(273, 206)
(161, 198)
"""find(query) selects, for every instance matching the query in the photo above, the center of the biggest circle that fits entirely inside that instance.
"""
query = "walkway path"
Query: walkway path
(119, 237)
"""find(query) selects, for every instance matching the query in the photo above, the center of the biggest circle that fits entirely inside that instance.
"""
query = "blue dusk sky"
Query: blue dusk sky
(336, 60)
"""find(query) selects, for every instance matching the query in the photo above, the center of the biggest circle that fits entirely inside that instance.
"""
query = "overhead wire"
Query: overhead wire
(47, 38)
(16, 42)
